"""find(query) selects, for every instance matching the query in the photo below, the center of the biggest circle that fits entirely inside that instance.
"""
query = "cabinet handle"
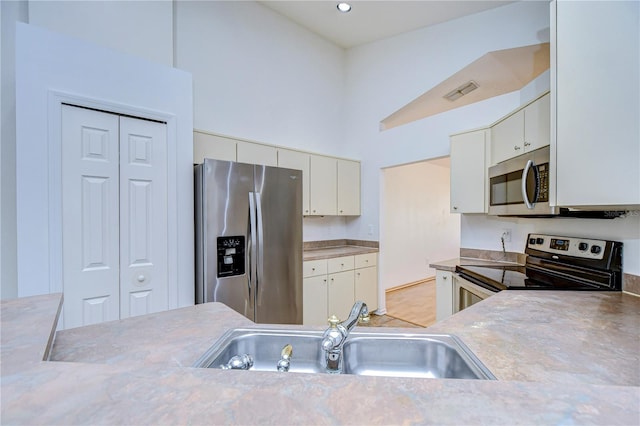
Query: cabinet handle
(358, 273)
(455, 207)
(313, 269)
(444, 278)
(516, 147)
(340, 211)
(527, 144)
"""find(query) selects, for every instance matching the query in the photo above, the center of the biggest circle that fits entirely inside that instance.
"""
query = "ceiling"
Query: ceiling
(369, 21)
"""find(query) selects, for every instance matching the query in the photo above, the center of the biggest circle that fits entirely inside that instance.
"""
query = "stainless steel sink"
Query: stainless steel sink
(411, 355)
(265, 347)
(364, 353)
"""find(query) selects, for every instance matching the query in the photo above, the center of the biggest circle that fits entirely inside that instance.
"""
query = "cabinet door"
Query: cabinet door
(366, 286)
(537, 119)
(314, 300)
(597, 103)
(255, 153)
(322, 183)
(348, 188)
(507, 138)
(212, 146)
(444, 295)
(300, 161)
(341, 294)
(468, 172)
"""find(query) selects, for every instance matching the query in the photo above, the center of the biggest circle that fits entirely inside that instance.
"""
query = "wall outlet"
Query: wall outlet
(506, 235)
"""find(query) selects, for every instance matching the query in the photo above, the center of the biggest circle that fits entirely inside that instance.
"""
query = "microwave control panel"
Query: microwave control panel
(543, 182)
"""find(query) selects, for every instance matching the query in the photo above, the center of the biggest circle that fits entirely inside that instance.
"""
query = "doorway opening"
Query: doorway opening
(417, 228)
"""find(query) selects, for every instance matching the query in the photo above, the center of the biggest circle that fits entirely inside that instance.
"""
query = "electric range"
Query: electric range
(555, 263)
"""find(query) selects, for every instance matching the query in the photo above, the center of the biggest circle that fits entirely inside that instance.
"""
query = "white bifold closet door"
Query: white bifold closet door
(114, 216)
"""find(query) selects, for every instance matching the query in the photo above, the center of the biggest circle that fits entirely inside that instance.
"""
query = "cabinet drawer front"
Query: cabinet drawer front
(312, 268)
(339, 264)
(366, 260)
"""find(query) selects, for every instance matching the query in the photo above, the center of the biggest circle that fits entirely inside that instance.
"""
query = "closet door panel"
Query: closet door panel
(143, 217)
(90, 203)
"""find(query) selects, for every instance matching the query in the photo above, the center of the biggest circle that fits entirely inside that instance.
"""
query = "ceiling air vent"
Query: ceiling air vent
(461, 91)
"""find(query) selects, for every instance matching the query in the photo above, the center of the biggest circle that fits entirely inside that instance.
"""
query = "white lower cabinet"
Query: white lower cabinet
(331, 286)
(340, 294)
(444, 294)
(366, 287)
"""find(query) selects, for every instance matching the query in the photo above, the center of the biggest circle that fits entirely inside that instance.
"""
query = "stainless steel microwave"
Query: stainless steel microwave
(520, 186)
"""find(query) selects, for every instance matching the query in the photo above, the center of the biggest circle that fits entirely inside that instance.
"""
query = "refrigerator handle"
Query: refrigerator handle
(260, 246)
(251, 252)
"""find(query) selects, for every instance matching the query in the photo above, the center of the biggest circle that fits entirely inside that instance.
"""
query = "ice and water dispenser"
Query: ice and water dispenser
(230, 256)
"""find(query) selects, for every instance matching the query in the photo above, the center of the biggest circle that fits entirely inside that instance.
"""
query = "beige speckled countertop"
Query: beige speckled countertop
(329, 252)
(450, 264)
(560, 360)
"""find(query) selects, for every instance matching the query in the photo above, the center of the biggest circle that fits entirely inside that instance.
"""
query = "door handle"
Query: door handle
(525, 172)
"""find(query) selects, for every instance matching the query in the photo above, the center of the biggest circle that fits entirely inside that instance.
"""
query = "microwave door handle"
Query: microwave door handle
(525, 173)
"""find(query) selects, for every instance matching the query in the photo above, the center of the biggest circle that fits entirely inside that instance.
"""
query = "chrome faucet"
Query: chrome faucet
(334, 337)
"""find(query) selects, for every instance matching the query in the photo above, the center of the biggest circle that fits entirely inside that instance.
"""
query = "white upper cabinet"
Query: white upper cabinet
(297, 160)
(523, 131)
(330, 186)
(537, 124)
(594, 79)
(206, 145)
(255, 153)
(348, 188)
(469, 171)
(323, 185)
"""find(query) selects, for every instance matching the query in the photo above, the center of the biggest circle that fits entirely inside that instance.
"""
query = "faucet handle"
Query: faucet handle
(364, 318)
(333, 321)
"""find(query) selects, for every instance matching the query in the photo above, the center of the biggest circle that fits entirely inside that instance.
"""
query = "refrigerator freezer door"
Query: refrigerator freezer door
(225, 189)
(279, 239)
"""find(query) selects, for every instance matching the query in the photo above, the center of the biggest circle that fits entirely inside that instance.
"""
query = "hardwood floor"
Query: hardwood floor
(414, 304)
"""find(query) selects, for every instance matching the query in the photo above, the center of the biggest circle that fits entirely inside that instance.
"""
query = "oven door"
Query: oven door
(466, 293)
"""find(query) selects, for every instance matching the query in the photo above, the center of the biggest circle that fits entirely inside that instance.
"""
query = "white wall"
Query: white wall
(139, 28)
(417, 227)
(259, 76)
(385, 75)
(48, 62)
(483, 232)
(11, 11)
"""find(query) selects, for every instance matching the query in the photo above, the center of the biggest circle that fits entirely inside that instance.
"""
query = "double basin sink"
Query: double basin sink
(364, 353)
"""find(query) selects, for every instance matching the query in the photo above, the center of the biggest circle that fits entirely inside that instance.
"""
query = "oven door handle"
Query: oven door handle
(476, 285)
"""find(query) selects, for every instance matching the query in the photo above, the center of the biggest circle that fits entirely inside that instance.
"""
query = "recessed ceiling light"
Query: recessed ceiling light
(344, 7)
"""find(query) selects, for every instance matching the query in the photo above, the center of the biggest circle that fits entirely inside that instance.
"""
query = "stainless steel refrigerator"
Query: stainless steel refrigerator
(249, 239)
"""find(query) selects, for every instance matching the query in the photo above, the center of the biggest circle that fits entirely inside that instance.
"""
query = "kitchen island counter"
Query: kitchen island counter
(136, 371)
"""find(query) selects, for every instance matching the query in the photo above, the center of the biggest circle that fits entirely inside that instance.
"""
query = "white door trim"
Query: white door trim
(54, 191)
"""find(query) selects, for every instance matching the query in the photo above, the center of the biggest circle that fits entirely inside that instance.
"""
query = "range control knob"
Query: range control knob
(532, 241)
(583, 246)
(596, 249)
(539, 240)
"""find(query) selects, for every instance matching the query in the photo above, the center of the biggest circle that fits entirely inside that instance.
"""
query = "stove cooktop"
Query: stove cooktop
(520, 278)
(555, 263)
